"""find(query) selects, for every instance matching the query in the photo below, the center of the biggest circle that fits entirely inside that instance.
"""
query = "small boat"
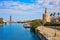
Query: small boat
(26, 25)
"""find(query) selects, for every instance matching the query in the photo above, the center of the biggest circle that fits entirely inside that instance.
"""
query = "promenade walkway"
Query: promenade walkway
(50, 32)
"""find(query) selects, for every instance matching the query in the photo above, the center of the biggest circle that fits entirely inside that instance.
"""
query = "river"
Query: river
(16, 31)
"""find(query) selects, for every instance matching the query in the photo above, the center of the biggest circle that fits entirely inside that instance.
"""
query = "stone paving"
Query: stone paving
(49, 33)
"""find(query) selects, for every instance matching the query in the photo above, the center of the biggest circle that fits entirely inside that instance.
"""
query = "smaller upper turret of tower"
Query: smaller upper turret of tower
(46, 10)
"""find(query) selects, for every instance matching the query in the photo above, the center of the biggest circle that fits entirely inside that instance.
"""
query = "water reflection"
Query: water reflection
(1, 32)
(1, 28)
(15, 31)
(33, 36)
(1, 25)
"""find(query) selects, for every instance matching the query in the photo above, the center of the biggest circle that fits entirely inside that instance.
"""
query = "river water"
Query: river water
(16, 31)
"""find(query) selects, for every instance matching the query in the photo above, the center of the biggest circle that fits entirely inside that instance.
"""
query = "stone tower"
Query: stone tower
(46, 16)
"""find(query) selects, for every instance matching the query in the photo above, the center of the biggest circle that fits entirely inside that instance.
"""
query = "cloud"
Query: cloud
(19, 8)
(52, 5)
(16, 5)
(23, 8)
(11, 11)
(40, 1)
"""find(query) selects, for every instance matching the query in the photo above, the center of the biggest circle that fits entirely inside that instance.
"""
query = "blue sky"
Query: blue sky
(27, 9)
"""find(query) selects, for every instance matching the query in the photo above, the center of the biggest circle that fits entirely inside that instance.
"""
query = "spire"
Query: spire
(46, 11)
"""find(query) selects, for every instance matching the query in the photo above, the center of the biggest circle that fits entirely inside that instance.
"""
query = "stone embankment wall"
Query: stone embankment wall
(47, 33)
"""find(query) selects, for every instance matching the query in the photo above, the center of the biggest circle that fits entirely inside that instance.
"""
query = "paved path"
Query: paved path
(49, 32)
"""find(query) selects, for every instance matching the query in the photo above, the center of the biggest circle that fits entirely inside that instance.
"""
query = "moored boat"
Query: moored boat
(26, 25)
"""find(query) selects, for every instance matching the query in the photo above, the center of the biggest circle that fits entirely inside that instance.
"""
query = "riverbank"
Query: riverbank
(48, 33)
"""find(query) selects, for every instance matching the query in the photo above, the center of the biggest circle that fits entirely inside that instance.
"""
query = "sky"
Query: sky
(27, 9)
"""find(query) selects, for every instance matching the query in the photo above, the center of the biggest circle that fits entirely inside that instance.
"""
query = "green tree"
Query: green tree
(51, 14)
(34, 25)
(1, 20)
(58, 14)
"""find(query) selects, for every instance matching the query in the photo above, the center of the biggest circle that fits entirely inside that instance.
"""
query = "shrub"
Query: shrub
(34, 25)
(51, 24)
(47, 24)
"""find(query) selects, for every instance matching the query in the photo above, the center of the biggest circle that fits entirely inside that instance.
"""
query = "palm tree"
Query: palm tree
(54, 14)
(58, 14)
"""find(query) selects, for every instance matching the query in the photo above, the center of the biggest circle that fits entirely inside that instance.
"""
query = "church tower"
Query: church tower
(46, 16)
